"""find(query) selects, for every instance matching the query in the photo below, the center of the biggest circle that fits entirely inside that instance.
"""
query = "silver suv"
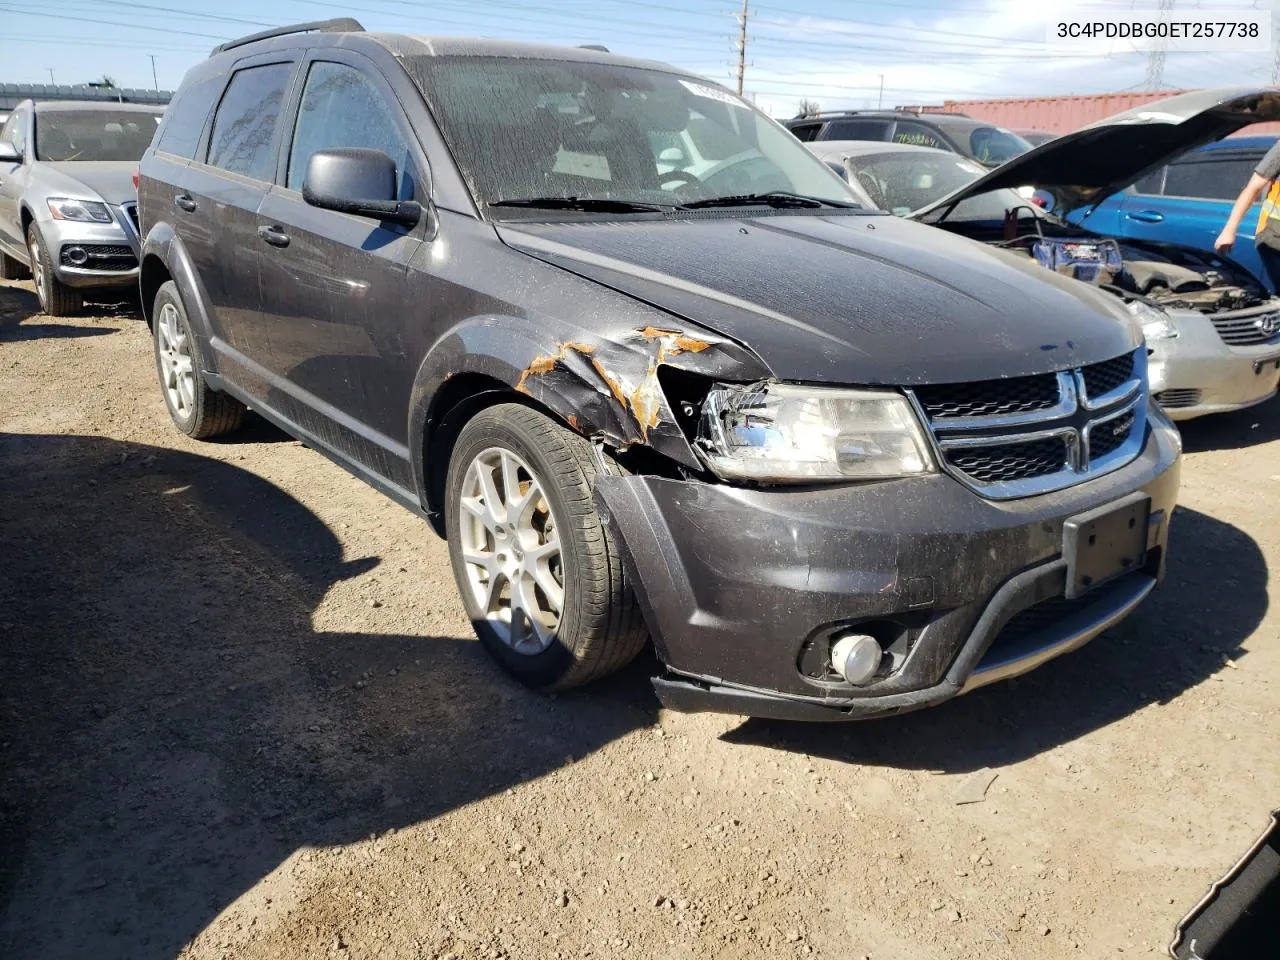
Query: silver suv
(68, 208)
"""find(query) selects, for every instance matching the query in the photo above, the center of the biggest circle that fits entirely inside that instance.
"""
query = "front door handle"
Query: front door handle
(274, 235)
(185, 202)
(1146, 216)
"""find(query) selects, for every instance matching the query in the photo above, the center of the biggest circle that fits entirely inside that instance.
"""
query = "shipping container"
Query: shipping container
(1061, 114)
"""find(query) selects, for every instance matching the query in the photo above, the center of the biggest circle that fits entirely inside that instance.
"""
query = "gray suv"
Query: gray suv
(831, 463)
(68, 211)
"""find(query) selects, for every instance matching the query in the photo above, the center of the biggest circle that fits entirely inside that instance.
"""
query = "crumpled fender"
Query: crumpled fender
(604, 384)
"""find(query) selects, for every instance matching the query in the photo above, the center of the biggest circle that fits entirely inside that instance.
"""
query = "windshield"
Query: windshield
(524, 128)
(993, 145)
(93, 134)
(903, 182)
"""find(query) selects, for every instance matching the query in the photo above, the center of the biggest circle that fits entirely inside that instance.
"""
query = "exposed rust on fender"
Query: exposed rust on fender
(673, 342)
(545, 364)
(615, 387)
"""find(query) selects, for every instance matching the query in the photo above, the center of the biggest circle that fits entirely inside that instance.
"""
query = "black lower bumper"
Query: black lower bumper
(742, 589)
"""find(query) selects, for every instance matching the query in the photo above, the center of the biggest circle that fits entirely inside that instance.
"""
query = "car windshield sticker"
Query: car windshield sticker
(711, 93)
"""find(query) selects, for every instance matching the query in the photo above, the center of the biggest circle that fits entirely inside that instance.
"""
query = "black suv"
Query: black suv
(832, 463)
(987, 144)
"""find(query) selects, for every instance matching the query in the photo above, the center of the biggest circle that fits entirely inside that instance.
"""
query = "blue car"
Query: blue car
(1187, 201)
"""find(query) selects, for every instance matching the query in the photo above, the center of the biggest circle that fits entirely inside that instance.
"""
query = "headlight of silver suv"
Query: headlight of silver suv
(88, 211)
(788, 433)
(1156, 324)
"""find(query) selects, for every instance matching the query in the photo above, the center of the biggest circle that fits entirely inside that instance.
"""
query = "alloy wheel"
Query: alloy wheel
(177, 369)
(511, 551)
(37, 273)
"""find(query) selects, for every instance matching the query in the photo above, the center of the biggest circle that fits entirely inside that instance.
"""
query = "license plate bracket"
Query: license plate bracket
(1105, 543)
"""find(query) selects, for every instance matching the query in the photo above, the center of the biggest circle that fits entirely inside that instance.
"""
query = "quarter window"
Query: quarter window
(858, 130)
(340, 109)
(185, 117)
(244, 126)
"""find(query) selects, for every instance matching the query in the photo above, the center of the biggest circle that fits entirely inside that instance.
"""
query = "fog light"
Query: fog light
(76, 255)
(856, 657)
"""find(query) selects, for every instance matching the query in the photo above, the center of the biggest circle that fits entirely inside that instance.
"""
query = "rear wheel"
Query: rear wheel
(540, 576)
(196, 410)
(56, 298)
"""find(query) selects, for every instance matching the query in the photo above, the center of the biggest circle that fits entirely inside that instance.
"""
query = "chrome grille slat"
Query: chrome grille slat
(1095, 423)
(1250, 330)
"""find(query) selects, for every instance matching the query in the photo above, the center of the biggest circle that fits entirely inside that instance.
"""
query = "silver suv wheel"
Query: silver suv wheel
(177, 370)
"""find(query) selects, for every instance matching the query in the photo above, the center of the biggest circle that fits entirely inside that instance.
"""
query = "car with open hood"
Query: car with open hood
(68, 208)
(1212, 330)
(831, 463)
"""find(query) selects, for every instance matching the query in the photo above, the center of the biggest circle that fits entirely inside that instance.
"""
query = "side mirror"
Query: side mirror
(357, 181)
(9, 153)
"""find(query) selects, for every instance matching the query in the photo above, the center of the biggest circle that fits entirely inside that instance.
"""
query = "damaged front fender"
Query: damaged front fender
(604, 384)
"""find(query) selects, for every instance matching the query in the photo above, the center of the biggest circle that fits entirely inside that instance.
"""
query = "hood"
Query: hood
(111, 180)
(863, 299)
(1095, 161)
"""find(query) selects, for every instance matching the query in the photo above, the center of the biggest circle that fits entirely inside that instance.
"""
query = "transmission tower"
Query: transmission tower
(1155, 59)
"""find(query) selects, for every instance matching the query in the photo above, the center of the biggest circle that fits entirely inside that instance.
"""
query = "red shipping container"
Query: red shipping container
(1062, 114)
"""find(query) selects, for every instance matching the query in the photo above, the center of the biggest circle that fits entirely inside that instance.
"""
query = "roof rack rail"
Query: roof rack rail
(337, 25)
(593, 46)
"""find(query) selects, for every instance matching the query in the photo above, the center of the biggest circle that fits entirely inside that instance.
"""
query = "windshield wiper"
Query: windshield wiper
(589, 204)
(774, 198)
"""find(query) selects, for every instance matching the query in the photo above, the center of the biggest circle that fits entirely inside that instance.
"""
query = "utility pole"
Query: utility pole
(742, 44)
(1155, 60)
(880, 99)
(51, 80)
(154, 82)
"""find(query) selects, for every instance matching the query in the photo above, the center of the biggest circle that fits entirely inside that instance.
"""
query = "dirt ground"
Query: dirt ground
(242, 715)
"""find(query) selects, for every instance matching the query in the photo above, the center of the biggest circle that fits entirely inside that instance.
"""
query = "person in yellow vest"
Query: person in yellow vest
(1265, 177)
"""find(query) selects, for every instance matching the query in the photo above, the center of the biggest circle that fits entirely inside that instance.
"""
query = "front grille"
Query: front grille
(1020, 634)
(1101, 378)
(1177, 398)
(1108, 436)
(989, 398)
(1011, 461)
(1248, 331)
(1022, 436)
(101, 256)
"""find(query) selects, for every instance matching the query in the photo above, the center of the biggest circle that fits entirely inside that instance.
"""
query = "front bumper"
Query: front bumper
(742, 589)
(60, 235)
(1197, 373)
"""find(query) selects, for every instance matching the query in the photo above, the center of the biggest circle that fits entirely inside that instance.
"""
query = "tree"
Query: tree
(809, 108)
(107, 82)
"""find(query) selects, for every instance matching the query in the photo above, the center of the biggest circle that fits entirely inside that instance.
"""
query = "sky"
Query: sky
(837, 53)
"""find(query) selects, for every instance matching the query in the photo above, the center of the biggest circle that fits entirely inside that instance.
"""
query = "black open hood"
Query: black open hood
(1095, 161)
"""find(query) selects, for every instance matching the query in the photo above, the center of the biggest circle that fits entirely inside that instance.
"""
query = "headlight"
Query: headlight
(786, 433)
(1156, 324)
(90, 211)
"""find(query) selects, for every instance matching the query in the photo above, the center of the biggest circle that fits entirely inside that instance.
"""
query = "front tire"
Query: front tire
(198, 411)
(56, 298)
(539, 574)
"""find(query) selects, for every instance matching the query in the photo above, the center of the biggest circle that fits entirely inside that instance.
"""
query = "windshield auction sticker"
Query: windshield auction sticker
(1108, 30)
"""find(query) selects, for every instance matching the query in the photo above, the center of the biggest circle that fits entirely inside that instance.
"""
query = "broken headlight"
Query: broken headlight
(1156, 324)
(786, 433)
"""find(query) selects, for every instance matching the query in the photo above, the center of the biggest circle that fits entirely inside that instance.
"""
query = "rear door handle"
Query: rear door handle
(185, 202)
(1146, 216)
(274, 235)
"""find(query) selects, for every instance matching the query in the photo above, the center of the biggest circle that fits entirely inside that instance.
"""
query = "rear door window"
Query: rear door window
(244, 126)
(806, 131)
(1209, 179)
(917, 134)
(858, 130)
